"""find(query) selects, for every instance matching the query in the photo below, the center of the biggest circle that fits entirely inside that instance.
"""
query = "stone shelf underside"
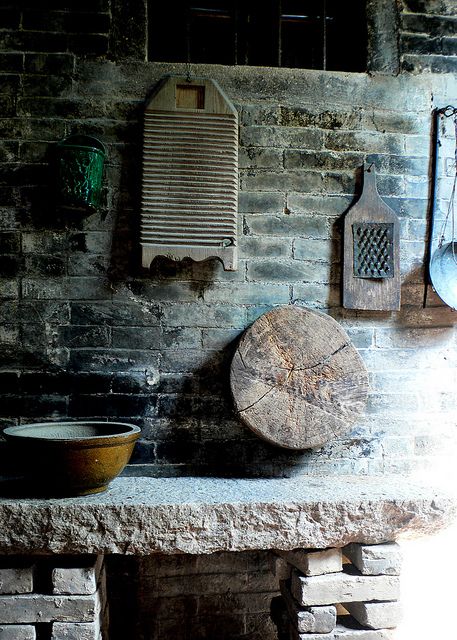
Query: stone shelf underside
(204, 515)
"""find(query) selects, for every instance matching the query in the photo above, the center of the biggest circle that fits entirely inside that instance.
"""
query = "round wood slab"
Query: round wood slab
(296, 379)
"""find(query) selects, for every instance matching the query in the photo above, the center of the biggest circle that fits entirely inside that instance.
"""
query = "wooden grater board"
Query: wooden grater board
(371, 270)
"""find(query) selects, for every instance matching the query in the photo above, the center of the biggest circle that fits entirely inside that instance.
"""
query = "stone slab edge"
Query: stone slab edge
(204, 515)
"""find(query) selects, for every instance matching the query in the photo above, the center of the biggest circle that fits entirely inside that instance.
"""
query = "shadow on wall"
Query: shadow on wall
(197, 432)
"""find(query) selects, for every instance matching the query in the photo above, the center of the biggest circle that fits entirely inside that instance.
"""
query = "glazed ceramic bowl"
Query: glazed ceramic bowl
(71, 458)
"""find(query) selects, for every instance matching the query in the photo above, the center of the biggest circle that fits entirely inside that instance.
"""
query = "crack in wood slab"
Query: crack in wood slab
(296, 379)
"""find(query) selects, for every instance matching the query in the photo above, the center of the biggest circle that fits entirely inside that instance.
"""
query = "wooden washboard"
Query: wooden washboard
(190, 173)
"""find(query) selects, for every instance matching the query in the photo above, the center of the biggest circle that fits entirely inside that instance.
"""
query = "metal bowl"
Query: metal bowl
(71, 458)
(443, 273)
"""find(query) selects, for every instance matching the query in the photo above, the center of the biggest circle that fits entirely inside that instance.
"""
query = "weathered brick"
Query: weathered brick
(112, 359)
(320, 296)
(7, 105)
(311, 182)
(44, 63)
(9, 84)
(202, 584)
(16, 580)
(348, 633)
(115, 314)
(219, 338)
(288, 225)
(34, 41)
(208, 360)
(309, 619)
(294, 634)
(77, 580)
(37, 85)
(260, 202)
(316, 250)
(340, 183)
(9, 288)
(433, 63)
(88, 264)
(375, 615)
(42, 608)
(408, 207)
(288, 272)
(377, 559)
(283, 137)
(51, 312)
(315, 161)
(401, 165)
(265, 247)
(335, 118)
(129, 337)
(44, 242)
(33, 406)
(10, 242)
(9, 218)
(45, 265)
(387, 403)
(343, 587)
(366, 141)
(429, 25)
(75, 631)
(249, 293)
(329, 205)
(164, 292)
(342, 632)
(422, 44)
(441, 7)
(415, 187)
(17, 632)
(258, 158)
(9, 335)
(257, 115)
(449, 46)
(395, 121)
(73, 288)
(314, 563)
(202, 315)
(401, 338)
(10, 266)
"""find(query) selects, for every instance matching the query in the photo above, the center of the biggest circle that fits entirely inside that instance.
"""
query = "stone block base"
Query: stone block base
(323, 599)
(67, 594)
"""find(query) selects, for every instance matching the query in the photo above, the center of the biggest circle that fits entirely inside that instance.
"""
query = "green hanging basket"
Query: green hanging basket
(80, 162)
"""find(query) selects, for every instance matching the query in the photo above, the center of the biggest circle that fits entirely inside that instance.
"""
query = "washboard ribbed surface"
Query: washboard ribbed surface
(190, 173)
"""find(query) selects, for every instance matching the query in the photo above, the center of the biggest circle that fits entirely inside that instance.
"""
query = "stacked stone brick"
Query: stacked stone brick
(331, 596)
(73, 606)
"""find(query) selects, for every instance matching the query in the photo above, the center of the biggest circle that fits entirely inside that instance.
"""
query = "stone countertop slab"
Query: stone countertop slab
(204, 515)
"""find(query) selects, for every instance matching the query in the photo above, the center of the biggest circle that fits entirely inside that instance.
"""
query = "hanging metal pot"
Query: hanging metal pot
(80, 162)
(442, 266)
(443, 273)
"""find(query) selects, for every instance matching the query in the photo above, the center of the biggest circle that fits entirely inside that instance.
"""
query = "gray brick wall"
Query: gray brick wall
(86, 333)
(428, 35)
(223, 595)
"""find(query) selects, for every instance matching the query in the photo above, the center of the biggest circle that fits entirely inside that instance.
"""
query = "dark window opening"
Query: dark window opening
(311, 34)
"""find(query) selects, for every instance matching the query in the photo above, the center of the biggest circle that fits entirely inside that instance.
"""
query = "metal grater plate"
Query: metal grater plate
(373, 250)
